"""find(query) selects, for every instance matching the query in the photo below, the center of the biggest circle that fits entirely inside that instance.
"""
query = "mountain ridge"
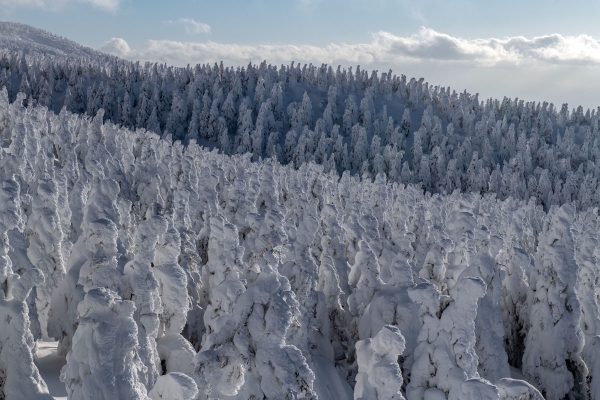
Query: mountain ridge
(15, 36)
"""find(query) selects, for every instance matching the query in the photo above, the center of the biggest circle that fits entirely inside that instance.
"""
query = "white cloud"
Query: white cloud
(116, 46)
(192, 26)
(554, 68)
(234, 54)
(426, 45)
(107, 5)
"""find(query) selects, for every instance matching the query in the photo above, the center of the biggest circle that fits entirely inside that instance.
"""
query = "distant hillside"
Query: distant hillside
(25, 38)
(351, 120)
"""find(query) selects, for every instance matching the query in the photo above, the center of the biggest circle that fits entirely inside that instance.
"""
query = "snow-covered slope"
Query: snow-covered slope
(193, 274)
(27, 39)
(344, 119)
(49, 365)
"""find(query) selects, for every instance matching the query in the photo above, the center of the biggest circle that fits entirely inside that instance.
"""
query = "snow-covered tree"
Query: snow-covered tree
(379, 376)
(20, 376)
(555, 311)
(103, 361)
(225, 266)
(445, 363)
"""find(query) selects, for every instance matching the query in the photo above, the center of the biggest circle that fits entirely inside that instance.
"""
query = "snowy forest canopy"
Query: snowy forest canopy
(292, 233)
(343, 119)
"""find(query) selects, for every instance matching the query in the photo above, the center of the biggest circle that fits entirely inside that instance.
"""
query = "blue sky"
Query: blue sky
(535, 50)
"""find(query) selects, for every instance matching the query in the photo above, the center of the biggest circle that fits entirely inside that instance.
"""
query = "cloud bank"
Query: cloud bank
(192, 26)
(553, 68)
(426, 45)
(116, 46)
(106, 5)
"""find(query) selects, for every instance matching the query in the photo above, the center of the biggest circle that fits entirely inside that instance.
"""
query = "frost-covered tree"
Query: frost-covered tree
(107, 332)
(253, 325)
(364, 278)
(379, 376)
(92, 264)
(515, 389)
(555, 311)
(492, 357)
(145, 293)
(515, 263)
(264, 311)
(45, 245)
(225, 265)
(586, 252)
(173, 349)
(20, 376)
(445, 363)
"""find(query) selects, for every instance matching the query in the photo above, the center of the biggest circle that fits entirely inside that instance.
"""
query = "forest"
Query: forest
(293, 232)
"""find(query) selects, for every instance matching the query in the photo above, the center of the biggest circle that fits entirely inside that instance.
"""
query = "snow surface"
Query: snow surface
(330, 384)
(49, 364)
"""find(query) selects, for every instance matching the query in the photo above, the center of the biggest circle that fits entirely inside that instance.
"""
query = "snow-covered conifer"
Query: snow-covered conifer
(445, 363)
(107, 332)
(555, 311)
(379, 376)
(364, 278)
(20, 376)
(176, 352)
(226, 266)
(145, 293)
(492, 357)
(45, 245)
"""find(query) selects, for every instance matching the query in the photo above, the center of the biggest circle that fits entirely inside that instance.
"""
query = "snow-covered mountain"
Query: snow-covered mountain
(292, 233)
(17, 37)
